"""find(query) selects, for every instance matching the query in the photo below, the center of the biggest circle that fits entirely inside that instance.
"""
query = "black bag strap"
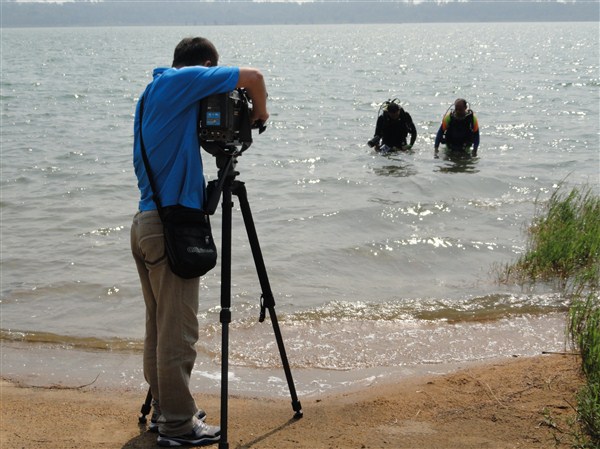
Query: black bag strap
(155, 196)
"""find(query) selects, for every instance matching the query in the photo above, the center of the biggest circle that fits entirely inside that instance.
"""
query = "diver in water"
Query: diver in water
(393, 126)
(459, 130)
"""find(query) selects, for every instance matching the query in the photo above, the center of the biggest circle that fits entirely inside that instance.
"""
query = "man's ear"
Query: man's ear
(207, 63)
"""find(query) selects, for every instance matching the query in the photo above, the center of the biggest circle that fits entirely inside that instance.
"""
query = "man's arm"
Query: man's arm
(412, 130)
(379, 126)
(438, 138)
(253, 81)
(475, 133)
(378, 133)
(475, 142)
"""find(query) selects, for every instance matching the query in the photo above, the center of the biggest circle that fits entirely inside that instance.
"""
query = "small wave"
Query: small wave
(342, 345)
(483, 308)
(71, 342)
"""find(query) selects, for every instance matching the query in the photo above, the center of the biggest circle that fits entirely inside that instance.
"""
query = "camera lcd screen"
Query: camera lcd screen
(213, 118)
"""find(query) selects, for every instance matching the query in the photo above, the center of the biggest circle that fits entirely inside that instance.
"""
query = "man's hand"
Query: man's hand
(258, 119)
(253, 81)
(373, 142)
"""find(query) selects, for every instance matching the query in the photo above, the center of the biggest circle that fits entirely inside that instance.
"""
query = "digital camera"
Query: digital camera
(224, 122)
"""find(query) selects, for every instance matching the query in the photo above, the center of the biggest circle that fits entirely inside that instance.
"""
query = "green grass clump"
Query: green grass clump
(564, 246)
(584, 327)
(564, 242)
(589, 413)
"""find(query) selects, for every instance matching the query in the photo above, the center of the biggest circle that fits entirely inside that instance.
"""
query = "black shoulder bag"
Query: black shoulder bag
(189, 243)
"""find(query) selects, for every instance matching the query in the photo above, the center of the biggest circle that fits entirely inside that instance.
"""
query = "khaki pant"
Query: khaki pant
(171, 325)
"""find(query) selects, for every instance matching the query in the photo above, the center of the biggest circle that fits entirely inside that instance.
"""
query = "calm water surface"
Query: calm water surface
(380, 265)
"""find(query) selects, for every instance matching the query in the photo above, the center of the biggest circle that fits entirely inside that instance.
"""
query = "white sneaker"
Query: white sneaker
(201, 435)
(156, 416)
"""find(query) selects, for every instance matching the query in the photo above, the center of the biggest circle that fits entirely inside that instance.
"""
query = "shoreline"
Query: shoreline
(431, 350)
(520, 402)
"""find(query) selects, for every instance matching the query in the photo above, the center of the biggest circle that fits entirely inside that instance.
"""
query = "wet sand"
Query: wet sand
(515, 403)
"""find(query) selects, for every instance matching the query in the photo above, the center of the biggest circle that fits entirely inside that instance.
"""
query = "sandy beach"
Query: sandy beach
(516, 403)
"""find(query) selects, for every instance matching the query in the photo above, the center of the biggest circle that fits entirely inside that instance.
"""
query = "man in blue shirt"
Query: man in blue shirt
(169, 123)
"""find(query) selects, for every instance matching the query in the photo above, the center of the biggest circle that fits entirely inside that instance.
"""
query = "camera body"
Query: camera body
(224, 122)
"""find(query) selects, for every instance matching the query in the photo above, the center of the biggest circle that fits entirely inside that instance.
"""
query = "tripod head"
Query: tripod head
(226, 155)
(226, 163)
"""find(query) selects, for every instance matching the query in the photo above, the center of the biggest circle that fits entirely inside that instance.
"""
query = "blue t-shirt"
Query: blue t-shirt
(170, 126)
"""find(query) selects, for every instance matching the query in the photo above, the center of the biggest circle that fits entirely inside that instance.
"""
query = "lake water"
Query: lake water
(381, 266)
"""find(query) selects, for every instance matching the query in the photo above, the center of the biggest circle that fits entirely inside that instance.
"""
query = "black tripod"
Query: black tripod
(227, 185)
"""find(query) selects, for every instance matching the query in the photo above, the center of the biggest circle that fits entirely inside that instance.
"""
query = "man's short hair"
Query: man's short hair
(393, 107)
(195, 51)
(461, 101)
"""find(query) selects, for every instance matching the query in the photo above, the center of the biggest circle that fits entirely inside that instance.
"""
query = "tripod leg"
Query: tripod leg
(146, 407)
(239, 189)
(225, 316)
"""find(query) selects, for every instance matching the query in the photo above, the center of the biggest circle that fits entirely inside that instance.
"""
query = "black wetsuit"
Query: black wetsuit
(394, 132)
